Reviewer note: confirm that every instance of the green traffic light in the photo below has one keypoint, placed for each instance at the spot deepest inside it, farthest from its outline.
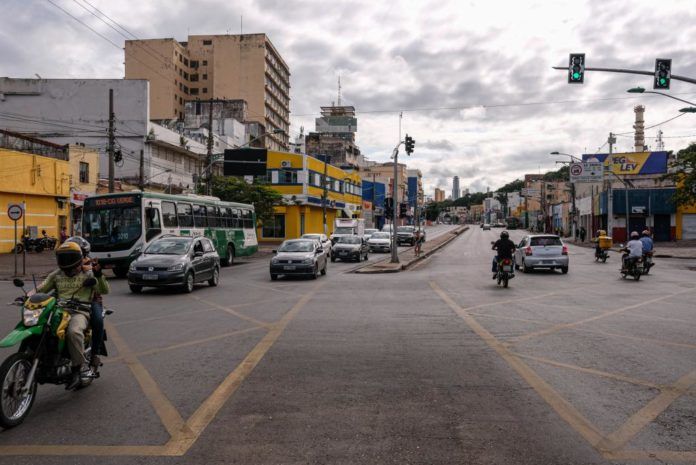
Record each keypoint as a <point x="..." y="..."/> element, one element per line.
<point x="576" y="75"/>
<point x="663" y="81"/>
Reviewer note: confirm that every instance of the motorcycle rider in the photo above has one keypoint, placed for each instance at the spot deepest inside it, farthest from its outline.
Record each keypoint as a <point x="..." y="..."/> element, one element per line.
<point x="96" y="318"/>
<point x="505" y="248"/>
<point x="634" y="250"/>
<point x="67" y="281"/>
<point x="598" y="249"/>
<point x="647" y="244"/>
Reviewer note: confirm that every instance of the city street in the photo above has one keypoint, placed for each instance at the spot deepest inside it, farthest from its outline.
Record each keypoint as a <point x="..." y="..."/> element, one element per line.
<point x="435" y="365"/>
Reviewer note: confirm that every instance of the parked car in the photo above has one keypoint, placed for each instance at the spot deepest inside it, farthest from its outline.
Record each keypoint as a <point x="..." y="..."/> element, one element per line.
<point x="380" y="242"/>
<point x="323" y="240"/>
<point x="541" y="251"/>
<point x="299" y="257"/>
<point x="350" y="248"/>
<point x="486" y="227"/>
<point x="369" y="232"/>
<point x="175" y="261"/>
<point x="406" y="235"/>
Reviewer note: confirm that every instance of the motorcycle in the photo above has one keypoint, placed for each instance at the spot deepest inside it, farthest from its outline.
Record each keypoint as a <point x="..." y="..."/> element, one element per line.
<point x="601" y="254"/>
<point x="647" y="262"/>
<point x="632" y="267"/>
<point x="43" y="355"/>
<point x="504" y="272"/>
<point x="30" y="245"/>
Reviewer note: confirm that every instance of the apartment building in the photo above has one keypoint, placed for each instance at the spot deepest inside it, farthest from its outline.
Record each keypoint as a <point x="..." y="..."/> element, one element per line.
<point x="246" y="67"/>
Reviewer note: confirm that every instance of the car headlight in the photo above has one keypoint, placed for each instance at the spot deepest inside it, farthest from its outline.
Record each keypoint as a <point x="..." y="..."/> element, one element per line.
<point x="177" y="267"/>
<point x="308" y="261"/>
<point x="30" y="317"/>
<point x="274" y="261"/>
<point x="131" y="267"/>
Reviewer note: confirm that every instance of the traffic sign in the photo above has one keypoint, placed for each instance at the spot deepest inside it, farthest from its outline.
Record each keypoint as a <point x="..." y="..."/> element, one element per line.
<point x="586" y="172"/>
<point x="15" y="211"/>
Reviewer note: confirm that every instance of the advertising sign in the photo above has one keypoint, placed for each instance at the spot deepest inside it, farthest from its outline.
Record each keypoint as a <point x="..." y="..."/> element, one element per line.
<point x="586" y="172"/>
<point x="631" y="163"/>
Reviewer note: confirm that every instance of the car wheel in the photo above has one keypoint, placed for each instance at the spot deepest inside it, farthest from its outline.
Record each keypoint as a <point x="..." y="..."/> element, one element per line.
<point x="215" y="278"/>
<point x="274" y="277"/>
<point x="564" y="269"/>
<point x="333" y="259"/>
<point x="229" y="260"/>
<point x="135" y="289"/>
<point x="315" y="274"/>
<point x="525" y="268"/>
<point x="188" y="282"/>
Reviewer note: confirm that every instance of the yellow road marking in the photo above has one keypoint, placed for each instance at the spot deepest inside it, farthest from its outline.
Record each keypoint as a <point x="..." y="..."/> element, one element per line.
<point x="566" y="411"/>
<point x="200" y="419"/>
<point x="561" y="326"/>
<point x="232" y="311"/>
<point x="82" y="450"/>
<point x="511" y="301"/>
<point x="648" y="413"/>
<point x="637" y="338"/>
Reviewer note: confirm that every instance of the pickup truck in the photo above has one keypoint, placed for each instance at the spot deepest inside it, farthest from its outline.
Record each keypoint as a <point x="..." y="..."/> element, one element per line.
<point x="406" y="235"/>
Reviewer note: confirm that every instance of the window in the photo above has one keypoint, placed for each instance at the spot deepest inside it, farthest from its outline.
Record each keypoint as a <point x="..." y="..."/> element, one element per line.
<point x="213" y="215"/>
<point x="205" y="90"/>
<point x="198" y="246"/>
<point x="199" y="216"/>
<point x="194" y="91"/>
<point x="194" y="63"/>
<point x="186" y="61"/>
<point x="84" y="172"/>
<point x="169" y="215"/>
<point x="181" y="101"/>
<point x="186" y="89"/>
<point x="287" y="177"/>
<point x="181" y="72"/>
<point x="205" y="62"/>
<point x="236" y="221"/>
<point x="193" y="78"/>
<point x="205" y="76"/>
<point x="186" y="75"/>
<point x="185" y="215"/>
<point x="275" y="229"/>
<point x="207" y="42"/>
<point x="176" y="99"/>
<point x="207" y="245"/>
<point x="153" y="226"/>
<point x="248" y="220"/>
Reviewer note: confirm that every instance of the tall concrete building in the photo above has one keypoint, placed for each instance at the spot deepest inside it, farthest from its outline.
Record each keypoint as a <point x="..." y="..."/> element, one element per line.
<point x="335" y="137"/>
<point x="246" y="67"/>
<point x="439" y="195"/>
<point x="455" y="188"/>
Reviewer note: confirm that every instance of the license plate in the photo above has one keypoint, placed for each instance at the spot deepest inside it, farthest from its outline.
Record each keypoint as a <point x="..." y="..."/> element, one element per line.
<point x="343" y="253"/>
<point x="507" y="269"/>
<point x="150" y="277"/>
<point x="289" y="267"/>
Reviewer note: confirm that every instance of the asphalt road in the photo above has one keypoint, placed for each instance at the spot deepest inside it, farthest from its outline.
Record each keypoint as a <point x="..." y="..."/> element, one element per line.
<point x="437" y="365"/>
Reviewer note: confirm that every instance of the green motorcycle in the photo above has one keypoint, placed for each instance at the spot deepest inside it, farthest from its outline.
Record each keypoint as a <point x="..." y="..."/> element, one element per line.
<point x="43" y="355"/>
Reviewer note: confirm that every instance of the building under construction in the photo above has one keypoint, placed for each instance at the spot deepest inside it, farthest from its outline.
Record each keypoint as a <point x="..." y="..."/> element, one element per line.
<point x="335" y="137"/>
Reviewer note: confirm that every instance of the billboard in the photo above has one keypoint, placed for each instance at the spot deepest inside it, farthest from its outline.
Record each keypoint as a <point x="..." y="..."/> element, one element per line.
<point x="245" y="162"/>
<point x="586" y="172"/>
<point x="631" y="163"/>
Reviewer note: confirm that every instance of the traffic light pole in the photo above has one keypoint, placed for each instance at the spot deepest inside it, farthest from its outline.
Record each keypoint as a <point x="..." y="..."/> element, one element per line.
<point x="395" y="213"/>
<point x="631" y="71"/>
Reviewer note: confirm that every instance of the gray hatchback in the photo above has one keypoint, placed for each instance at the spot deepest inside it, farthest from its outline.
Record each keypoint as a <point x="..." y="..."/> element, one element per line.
<point x="541" y="251"/>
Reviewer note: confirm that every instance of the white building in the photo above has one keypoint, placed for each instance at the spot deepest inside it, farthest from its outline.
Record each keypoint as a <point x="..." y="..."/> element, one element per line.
<point x="71" y="111"/>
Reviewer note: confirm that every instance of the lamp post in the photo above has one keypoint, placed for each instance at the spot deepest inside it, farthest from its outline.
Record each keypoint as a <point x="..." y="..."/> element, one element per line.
<point x="641" y="90"/>
<point x="572" y="193"/>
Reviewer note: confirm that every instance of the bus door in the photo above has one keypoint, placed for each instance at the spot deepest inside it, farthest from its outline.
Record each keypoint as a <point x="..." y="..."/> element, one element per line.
<point x="153" y="222"/>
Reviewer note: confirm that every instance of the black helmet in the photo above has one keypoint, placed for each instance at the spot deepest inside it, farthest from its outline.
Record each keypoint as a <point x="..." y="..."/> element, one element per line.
<point x="504" y="235"/>
<point x="82" y="242"/>
<point x="68" y="256"/>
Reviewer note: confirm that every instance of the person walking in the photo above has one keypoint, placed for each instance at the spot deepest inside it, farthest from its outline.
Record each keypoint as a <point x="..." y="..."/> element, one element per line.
<point x="583" y="233"/>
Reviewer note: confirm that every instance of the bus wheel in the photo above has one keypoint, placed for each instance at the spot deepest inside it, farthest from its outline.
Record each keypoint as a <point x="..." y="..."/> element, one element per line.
<point x="229" y="260"/>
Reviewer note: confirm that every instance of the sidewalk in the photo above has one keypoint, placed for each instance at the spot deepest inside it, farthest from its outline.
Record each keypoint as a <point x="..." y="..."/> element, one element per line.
<point x="679" y="249"/>
<point x="407" y="258"/>
<point x="38" y="264"/>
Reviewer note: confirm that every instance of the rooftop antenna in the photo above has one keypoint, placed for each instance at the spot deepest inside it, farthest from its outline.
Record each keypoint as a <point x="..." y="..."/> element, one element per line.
<point x="339" y="90"/>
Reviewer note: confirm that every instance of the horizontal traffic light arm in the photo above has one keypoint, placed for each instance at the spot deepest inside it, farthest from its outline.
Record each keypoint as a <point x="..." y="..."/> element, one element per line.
<point x="674" y="77"/>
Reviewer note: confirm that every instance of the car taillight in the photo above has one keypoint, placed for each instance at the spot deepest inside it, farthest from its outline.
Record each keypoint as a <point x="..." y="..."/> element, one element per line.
<point x="565" y="250"/>
<point x="528" y="251"/>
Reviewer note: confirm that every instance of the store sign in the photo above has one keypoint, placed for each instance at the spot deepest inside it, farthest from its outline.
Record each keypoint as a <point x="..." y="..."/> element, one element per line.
<point x="586" y="172"/>
<point x="78" y="198"/>
<point x="631" y="163"/>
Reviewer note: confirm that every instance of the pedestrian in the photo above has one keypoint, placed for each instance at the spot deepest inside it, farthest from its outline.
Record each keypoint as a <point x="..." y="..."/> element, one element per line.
<point x="63" y="234"/>
<point x="583" y="233"/>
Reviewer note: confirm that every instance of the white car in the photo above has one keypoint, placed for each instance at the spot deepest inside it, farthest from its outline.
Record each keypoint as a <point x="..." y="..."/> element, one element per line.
<point x="323" y="240"/>
<point x="369" y="232"/>
<point x="380" y="242"/>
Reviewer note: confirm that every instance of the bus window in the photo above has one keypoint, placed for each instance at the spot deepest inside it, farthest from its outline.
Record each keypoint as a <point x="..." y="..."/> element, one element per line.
<point x="236" y="221"/>
<point x="185" y="215"/>
<point x="153" y="226"/>
<point x="199" y="214"/>
<point x="225" y="217"/>
<point x="169" y="215"/>
<point x="248" y="223"/>
<point x="213" y="216"/>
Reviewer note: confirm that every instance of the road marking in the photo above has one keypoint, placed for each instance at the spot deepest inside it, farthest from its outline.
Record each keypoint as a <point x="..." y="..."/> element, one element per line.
<point x="561" y="326"/>
<point x="648" y="413"/>
<point x="661" y="455"/>
<point x="200" y="419"/>
<point x="232" y="311"/>
<point x="564" y="409"/>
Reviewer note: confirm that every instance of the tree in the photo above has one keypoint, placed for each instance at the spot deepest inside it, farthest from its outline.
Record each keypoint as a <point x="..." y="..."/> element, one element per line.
<point x="683" y="174"/>
<point x="562" y="174"/>
<point x="261" y="196"/>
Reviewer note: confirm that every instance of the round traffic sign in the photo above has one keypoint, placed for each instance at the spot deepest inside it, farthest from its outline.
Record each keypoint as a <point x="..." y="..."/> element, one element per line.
<point x="14" y="212"/>
<point x="576" y="169"/>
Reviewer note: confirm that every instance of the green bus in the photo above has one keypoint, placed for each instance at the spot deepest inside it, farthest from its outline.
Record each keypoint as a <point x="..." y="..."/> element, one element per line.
<point x="119" y="226"/>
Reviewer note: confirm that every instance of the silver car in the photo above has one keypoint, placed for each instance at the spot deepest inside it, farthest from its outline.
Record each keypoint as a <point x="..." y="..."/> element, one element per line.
<point x="322" y="238"/>
<point x="380" y="242"/>
<point x="300" y="257"/>
<point x="541" y="251"/>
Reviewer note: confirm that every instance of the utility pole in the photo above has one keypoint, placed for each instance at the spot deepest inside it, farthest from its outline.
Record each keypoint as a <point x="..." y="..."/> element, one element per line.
<point x="209" y="158"/>
<point x="110" y="148"/>
<point x="141" y="182"/>
<point x="374" y="199"/>
<point x="395" y="213"/>
<point x="610" y="191"/>
<point x="325" y="195"/>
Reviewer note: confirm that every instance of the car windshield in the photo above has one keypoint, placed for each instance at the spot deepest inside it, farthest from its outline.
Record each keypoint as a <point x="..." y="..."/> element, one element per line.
<point x="381" y="235"/>
<point x="169" y="246"/>
<point x="546" y="240"/>
<point x="297" y="246"/>
<point x="404" y="229"/>
<point x="370" y="231"/>
<point x="343" y="231"/>
<point x="311" y="236"/>
<point x="349" y="240"/>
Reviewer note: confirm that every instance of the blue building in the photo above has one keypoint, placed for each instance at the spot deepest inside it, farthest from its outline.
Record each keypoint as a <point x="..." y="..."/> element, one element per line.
<point x="374" y="193"/>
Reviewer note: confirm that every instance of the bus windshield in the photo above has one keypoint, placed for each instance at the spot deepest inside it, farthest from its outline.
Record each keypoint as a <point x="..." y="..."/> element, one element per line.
<point x="109" y="229"/>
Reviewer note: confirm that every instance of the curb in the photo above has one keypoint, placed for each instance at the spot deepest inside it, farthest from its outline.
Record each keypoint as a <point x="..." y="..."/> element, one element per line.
<point x="427" y="254"/>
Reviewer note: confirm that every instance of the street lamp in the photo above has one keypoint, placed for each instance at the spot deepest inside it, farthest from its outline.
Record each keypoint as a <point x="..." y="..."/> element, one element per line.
<point x="688" y="110"/>
<point x="640" y="90"/>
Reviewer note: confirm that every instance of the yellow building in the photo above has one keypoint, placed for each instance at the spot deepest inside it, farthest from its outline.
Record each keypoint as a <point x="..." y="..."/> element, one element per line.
<point x="37" y="174"/>
<point x="84" y="178"/>
<point x="298" y="177"/>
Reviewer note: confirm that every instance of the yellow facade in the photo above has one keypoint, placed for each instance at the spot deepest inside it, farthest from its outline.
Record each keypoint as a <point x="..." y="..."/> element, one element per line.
<point x="43" y="184"/>
<point x="302" y="212"/>
<point x="79" y="155"/>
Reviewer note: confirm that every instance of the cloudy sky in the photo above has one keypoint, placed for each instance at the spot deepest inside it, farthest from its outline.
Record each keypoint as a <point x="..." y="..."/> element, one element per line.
<point x="473" y="78"/>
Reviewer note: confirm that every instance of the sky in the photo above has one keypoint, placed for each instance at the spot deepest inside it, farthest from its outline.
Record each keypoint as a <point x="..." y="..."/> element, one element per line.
<point x="472" y="79"/>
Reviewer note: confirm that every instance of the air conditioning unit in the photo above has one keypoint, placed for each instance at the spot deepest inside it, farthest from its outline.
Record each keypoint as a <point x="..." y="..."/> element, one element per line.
<point x="285" y="164"/>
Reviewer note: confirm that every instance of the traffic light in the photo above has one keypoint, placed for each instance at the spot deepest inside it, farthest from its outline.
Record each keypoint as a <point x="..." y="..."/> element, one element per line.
<point x="576" y="68"/>
<point x="409" y="143"/>
<point x="389" y="207"/>
<point x="663" y="73"/>
<point x="403" y="208"/>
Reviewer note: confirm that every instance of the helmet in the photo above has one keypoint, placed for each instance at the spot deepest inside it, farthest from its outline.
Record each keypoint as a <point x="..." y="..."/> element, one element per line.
<point x="504" y="235"/>
<point x="635" y="235"/>
<point x="68" y="256"/>
<point x="646" y="233"/>
<point x="82" y="242"/>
